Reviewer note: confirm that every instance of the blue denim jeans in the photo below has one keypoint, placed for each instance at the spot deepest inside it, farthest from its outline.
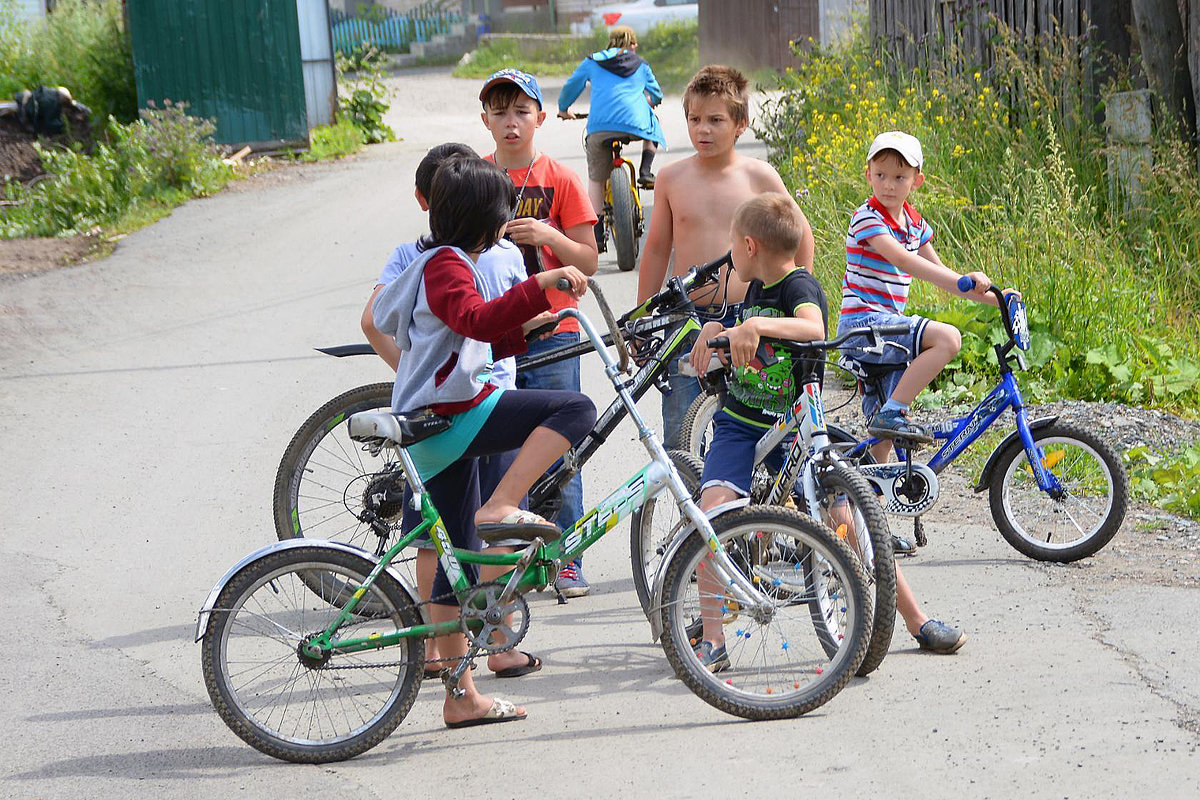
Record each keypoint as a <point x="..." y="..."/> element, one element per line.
<point x="563" y="375"/>
<point x="684" y="390"/>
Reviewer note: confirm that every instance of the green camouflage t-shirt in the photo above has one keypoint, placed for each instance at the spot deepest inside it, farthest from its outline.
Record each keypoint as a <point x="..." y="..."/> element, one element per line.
<point x="764" y="389"/>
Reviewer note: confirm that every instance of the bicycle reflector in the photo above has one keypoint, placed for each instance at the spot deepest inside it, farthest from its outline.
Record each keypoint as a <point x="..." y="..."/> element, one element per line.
<point x="1020" y="323"/>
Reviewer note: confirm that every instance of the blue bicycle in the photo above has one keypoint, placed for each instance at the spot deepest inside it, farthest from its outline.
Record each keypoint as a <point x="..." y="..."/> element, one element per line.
<point x="1057" y="491"/>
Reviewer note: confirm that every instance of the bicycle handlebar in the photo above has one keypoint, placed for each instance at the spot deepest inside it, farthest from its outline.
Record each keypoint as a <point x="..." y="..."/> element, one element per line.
<point x="966" y="283"/>
<point x="678" y="287"/>
<point x="874" y="331"/>
<point x="605" y="311"/>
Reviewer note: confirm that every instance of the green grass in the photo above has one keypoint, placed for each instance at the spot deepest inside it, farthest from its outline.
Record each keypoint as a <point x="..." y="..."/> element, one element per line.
<point x="1015" y="187"/>
<point x="330" y="142"/>
<point x="669" y="48"/>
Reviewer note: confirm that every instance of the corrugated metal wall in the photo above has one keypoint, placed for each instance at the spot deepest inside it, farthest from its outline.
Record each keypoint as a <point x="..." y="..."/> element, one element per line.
<point x="235" y="61"/>
<point x="316" y="54"/>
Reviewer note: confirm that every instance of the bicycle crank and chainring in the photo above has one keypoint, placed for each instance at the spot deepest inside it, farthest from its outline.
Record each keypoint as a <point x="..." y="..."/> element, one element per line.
<point x="484" y="619"/>
<point x="904" y="494"/>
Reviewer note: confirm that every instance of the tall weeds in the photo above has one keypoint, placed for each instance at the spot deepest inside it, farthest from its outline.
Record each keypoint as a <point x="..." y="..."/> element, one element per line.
<point x="1015" y="187"/>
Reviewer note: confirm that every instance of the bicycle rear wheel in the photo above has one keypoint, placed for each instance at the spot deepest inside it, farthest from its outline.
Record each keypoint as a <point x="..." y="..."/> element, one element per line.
<point x="848" y="507"/>
<point x="777" y="665"/>
<point x="324" y="476"/>
<point x="1083" y="519"/>
<point x="286" y="704"/>
<point x="656" y="523"/>
<point x="624" y="218"/>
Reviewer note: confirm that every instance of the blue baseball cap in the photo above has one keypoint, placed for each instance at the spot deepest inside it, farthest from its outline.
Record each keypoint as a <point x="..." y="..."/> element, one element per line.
<point x="524" y="81"/>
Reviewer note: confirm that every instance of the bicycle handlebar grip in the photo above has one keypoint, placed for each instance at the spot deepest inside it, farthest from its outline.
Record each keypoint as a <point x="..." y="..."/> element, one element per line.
<point x="966" y="283"/>
<point x="893" y="330"/>
<point x="563" y="285"/>
<point x="719" y="343"/>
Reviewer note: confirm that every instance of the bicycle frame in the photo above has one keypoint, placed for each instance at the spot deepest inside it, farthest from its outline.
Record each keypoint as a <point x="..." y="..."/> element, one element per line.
<point x="960" y="432"/>
<point x="646" y="483"/>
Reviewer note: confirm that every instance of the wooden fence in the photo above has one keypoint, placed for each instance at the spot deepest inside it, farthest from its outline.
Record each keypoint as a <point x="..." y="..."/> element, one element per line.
<point x="755" y="33"/>
<point x="920" y="32"/>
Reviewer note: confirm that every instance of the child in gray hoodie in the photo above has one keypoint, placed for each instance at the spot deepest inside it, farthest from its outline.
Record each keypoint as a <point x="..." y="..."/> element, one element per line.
<point x="450" y="333"/>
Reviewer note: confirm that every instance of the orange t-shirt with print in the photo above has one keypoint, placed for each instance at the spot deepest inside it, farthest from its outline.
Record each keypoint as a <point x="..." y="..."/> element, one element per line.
<point x="554" y="194"/>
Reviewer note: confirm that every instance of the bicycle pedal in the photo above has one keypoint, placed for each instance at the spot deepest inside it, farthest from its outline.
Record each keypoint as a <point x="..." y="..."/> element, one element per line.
<point x="919" y="532"/>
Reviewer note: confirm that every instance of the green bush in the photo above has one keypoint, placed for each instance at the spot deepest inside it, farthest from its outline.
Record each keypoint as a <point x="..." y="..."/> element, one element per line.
<point x="82" y="45"/>
<point x="363" y="94"/>
<point x="162" y="159"/>
<point x="1171" y="482"/>
<point x="1015" y="187"/>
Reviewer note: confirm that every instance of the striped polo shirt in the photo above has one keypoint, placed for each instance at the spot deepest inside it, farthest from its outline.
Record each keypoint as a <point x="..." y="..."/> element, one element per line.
<point x="872" y="283"/>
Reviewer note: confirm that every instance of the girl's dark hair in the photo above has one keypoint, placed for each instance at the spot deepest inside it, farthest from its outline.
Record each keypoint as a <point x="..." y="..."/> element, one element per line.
<point x="433" y="159"/>
<point x="468" y="203"/>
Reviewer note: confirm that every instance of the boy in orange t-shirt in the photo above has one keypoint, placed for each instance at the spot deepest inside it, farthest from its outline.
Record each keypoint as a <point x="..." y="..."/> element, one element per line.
<point x="554" y="226"/>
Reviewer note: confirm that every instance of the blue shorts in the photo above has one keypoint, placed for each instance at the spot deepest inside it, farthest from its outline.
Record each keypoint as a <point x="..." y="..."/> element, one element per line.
<point x="729" y="461"/>
<point x="899" y="357"/>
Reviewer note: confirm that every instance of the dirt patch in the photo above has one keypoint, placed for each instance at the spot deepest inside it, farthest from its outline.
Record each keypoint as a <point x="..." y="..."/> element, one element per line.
<point x="29" y="256"/>
<point x="19" y="160"/>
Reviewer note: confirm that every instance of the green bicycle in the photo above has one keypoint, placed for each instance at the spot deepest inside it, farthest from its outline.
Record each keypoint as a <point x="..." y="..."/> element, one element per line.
<point x="312" y="649"/>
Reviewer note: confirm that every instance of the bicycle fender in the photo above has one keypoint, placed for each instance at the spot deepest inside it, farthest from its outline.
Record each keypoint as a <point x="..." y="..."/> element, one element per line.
<point x="288" y="544"/>
<point x="985" y="477"/>
<point x="672" y="549"/>
<point x="343" y="350"/>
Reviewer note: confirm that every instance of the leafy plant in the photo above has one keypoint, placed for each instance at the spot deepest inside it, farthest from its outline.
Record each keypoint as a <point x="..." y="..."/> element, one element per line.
<point x="1171" y="482"/>
<point x="363" y="94"/>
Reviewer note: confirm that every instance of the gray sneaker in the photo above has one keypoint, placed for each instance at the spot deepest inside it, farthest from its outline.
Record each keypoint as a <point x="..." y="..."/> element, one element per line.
<point x="938" y="637"/>
<point x="570" y="581"/>
<point x="716" y="659"/>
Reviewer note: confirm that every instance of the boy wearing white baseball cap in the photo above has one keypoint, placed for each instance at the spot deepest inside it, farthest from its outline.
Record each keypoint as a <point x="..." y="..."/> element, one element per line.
<point x="889" y="244"/>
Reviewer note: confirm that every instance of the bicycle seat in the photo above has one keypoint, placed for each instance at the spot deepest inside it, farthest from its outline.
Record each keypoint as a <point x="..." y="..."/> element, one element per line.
<point x="623" y="139"/>
<point x="403" y="430"/>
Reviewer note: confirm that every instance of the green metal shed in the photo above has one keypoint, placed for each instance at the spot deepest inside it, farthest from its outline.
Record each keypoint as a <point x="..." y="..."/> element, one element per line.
<point x="237" y="62"/>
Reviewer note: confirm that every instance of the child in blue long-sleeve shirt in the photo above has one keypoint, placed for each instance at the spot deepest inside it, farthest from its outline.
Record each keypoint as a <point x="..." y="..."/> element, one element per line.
<point x="624" y="92"/>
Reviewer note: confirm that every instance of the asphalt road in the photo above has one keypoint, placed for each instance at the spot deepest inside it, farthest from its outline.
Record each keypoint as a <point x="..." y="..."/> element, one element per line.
<point x="146" y="401"/>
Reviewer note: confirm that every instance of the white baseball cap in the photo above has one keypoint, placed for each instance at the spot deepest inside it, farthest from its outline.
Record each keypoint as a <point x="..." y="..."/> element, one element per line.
<point x="907" y="145"/>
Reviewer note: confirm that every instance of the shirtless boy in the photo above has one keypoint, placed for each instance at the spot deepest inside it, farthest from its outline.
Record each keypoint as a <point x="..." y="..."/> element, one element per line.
<point x="694" y="201"/>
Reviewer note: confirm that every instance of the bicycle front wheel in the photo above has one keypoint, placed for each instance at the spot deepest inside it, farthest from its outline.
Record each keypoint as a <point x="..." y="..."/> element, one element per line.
<point x="1084" y="517"/>
<point x="848" y="507"/>
<point x="286" y="704"/>
<point x="624" y="218"/>
<point x="656" y="523"/>
<point x="776" y="665"/>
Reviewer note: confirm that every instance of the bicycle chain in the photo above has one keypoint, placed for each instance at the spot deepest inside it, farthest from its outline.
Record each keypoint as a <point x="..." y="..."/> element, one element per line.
<point x="430" y="601"/>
